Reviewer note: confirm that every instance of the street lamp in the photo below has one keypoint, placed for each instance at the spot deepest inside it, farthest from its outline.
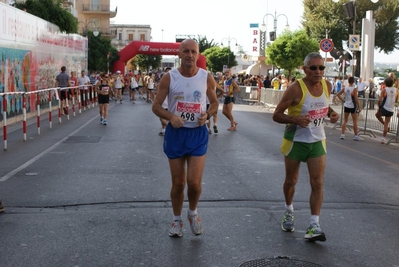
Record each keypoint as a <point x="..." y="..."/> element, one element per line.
<point x="86" y="33"/>
<point x="272" y="34"/>
<point x="228" y="44"/>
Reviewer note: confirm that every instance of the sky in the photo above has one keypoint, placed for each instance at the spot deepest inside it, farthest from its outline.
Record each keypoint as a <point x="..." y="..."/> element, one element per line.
<point x="217" y="20"/>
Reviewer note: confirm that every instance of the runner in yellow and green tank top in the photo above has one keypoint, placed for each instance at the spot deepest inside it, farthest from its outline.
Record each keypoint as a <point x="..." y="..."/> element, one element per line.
<point x="306" y="101"/>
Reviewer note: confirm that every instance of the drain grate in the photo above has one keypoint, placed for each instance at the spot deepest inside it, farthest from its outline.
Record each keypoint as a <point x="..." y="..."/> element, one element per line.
<point x="83" y="139"/>
<point x="278" y="262"/>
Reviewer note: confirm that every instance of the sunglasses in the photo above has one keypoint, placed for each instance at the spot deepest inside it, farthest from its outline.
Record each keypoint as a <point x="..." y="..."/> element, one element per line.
<point x="315" y="67"/>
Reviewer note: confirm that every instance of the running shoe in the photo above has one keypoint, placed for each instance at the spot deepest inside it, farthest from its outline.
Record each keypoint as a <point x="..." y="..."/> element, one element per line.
<point x="209" y="131"/>
<point x="342" y="137"/>
<point x="104" y="122"/>
<point x="161" y="134"/>
<point x="195" y="224"/>
<point x="2" y="208"/>
<point x="177" y="229"/>
<point x="101" y="120"/>
<point x="288" y="221"/>
<point x="357" y="138"/>
<point x="314" y="233"/>
<point x="215" y="129"/>
<point x="383" y="140"/>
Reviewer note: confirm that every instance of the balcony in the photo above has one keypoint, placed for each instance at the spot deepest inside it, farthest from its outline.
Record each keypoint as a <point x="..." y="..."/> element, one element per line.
<point x="99" y="9"/>
<point x="105" y="32"/>
<point x="67" y="3"/>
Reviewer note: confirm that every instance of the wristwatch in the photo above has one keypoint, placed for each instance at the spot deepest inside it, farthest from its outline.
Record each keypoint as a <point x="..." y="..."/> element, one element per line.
<point x="208" y="116"/>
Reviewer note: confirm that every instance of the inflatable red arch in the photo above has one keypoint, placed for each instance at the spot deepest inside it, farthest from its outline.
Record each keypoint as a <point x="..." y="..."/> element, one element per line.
<point x="149" y="48"/>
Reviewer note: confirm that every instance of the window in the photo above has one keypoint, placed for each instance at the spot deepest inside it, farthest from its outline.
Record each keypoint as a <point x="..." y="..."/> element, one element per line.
<point x="94" y="23"/>
<point x="120" y="36"/>
<point x="130" y="36"/>
<point x="142" y="37"/>
<point x="95" y="4"/>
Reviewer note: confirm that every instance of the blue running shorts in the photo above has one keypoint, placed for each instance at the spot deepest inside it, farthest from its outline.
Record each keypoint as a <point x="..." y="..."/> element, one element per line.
<point x="183" y="141"/>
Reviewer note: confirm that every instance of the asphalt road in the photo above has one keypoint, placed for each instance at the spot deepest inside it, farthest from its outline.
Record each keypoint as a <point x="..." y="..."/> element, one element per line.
<point x="85" y="194"/>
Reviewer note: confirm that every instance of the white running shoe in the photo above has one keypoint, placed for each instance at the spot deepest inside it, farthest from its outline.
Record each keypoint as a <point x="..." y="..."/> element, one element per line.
<point x="195" y="224"/>
<point x="177" y="229"/>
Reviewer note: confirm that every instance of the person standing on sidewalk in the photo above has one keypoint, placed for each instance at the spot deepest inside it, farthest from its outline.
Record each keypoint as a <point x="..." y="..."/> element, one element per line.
<point x="186" y="136"/>
<point x="351" y="106"/>
<point x="62" y="81"/>
<point x="386" y="103"/>
<point x="307" y="102"/>
<point x="83" y="82"/>
<point x="230" y="88"/>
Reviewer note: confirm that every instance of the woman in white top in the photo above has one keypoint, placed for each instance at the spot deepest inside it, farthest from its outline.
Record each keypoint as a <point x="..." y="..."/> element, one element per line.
<point x="351" y="106"/>
<point x="386" y="103"/>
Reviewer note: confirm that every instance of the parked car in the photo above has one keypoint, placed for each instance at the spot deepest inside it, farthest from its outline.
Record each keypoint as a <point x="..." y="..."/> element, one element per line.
<point x="378" y="81"/>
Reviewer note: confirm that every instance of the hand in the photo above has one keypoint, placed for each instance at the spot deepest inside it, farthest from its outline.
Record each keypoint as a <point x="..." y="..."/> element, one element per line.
<point x="334" y="117"/>
<point x="302" y="121"/>
<point x="177" y="121"/>
<point x="202" y="119"/>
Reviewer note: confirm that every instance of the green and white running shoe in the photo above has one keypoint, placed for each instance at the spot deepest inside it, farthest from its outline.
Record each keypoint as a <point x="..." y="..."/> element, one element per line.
<point x="314" y="233"/>
<point x="288" y="221"/>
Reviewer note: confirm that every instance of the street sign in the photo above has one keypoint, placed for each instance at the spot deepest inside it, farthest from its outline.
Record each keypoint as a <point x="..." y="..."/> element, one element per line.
<point x="354" y="40"/>
<point x="326" y="45"/>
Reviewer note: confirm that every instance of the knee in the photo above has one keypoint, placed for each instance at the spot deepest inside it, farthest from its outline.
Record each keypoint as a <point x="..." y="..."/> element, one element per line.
<point x="316" y="184"/>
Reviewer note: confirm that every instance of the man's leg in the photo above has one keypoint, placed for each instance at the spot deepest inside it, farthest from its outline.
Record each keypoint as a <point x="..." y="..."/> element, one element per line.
<point x="178" y="173"/>
<point x="291" y="178"/>
<point x="316" y="168"/>
<point x="195" y="167"/>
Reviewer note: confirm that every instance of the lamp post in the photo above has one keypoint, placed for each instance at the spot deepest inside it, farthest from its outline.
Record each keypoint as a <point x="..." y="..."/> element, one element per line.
<point x="272" y="34"/>
<point x="350" y="8"/>
<point x="86" y="33"/>
<point x="228" y="44"/>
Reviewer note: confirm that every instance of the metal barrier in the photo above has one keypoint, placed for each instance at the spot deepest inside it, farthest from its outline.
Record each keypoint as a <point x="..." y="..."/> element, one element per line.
<point x="43" y="97"/>
<point x="368" y="124"/>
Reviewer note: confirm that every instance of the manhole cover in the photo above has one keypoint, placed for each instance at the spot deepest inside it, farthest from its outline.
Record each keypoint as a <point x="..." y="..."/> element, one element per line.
<point x="278" y="263"/>
<point x="83" y="139"/>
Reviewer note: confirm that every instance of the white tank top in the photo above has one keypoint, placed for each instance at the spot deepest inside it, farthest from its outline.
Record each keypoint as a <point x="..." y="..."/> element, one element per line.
<point x="187" y="96"/>
<point x="389" y="99"/>
<point x="314" y="106"/>
<point x="118" y="82"/>
<point x="348" y="97"/>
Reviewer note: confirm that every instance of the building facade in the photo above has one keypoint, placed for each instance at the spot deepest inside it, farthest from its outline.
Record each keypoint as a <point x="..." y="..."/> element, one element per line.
<point x="95" y="14"/>
<point x="126" y="33"/>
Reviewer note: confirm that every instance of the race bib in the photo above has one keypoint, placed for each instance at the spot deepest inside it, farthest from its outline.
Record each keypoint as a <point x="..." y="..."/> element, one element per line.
<point x="317" y="116"/>
<point x="189" y="111"/>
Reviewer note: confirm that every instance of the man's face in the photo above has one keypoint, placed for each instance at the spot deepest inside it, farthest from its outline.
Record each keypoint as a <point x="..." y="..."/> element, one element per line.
<point x="314" y="70"/>
<point x="188" y="53"/>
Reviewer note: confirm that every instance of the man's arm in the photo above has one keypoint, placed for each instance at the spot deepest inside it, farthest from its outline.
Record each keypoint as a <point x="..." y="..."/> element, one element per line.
<point x="291" y="97"/>
<point x="211" y="94"/>
<point x="157" y="109"/>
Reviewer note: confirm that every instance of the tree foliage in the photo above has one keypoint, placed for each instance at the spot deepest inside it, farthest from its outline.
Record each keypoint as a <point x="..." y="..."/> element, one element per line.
<point x="322" y="15"/>
<point x="289" y="50"/>
<point x="204" y="44"/>
<point x="147" y="62"/>
<point x="98" y="52"/>
<point x="52" y="11"/>
<point x="216" y="57"/>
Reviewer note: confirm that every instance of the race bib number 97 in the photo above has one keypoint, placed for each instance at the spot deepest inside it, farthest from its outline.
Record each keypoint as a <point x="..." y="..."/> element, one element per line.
<point x="317" y="116"/>
<point x="189" y="111"/>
